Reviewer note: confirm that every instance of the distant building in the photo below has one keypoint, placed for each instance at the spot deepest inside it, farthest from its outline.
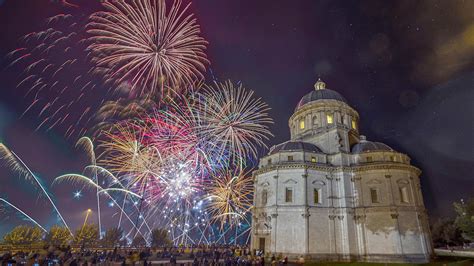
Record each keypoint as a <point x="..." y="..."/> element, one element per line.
<point x="331" y="194"/>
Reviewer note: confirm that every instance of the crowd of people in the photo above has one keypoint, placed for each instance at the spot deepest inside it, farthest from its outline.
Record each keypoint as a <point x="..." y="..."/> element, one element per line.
<point x="196" y="256"/>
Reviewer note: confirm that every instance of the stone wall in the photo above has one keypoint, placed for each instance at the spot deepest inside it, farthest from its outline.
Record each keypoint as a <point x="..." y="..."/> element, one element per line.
<point x="345" y="224"/>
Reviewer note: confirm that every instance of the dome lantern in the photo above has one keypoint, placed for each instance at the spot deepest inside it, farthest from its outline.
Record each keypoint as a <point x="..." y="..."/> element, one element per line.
<point x="319" y="85"/>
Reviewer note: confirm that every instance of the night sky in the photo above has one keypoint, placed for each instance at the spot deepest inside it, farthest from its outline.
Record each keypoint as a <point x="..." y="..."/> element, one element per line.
<point x="407" y="67"/>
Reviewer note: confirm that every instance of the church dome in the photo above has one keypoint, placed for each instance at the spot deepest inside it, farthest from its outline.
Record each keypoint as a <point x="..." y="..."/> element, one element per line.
<point x="367" y="146"/>
<point x="294" y="146"/>
<point x="320" y="93"/>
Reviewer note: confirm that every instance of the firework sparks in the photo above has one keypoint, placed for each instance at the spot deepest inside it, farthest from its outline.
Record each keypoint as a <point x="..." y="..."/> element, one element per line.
<point x="147" y="45"/>
<point x="229" y="197"/>
<point x="142" y="52"/>
<point x="175" y="157"/>
<point x="183" y="163"/>
<point x="56" y="76"/>
<point x="234" y="119"/>
<point x="166" y="146"/>
<point x="127" y="154"/>
<point x="77" y="194"/>
<point x="112" y="112"/>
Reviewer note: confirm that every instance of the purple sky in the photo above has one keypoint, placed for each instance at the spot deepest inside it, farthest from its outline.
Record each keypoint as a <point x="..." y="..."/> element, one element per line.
<point x="407" y="67"/>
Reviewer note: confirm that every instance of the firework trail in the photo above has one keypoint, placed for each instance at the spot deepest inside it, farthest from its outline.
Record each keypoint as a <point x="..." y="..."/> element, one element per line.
<point x="57" y="76"/>
<point x="17" y="165"/>
<point x="87" y="144"/>
<point x="23" y="213"/>
<point x="88" y="182"/>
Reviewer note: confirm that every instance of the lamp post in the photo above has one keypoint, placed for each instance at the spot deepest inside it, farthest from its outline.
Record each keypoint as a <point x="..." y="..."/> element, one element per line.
<point x="85" y="219"/>
<point x="83" y="225"/>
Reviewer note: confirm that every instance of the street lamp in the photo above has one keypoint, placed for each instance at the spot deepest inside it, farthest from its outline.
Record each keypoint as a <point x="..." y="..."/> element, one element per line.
<point x="85" y="219"/>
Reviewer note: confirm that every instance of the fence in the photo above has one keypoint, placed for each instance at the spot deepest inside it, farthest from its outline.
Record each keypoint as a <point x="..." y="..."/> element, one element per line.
<point x="41" y="246"/>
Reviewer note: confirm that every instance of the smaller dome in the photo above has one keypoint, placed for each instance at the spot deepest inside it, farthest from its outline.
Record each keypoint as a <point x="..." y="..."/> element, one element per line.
<point x="294" y="146"/>
<point x="366" y="146"/>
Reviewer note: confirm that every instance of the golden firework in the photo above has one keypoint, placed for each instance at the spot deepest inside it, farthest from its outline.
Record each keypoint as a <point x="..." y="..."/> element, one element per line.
<point x="229" y="197"/>
<point x="127" y="155"/>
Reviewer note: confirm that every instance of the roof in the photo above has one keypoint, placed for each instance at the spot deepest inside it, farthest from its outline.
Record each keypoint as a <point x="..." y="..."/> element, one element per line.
<point x="320" y="93"/>
<point x="368" y="146"/>
<point x="294" y="146"/>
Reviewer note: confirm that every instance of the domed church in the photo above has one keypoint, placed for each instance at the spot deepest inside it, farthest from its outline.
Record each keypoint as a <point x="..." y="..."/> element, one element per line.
<point x="329" y="194"/>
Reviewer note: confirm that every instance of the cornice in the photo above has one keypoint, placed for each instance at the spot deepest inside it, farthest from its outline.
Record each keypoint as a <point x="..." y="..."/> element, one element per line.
<point x="328" y="168"/>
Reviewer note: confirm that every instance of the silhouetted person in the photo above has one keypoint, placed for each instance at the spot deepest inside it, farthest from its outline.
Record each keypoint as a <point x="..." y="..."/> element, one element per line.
<point x="172" y="260"/>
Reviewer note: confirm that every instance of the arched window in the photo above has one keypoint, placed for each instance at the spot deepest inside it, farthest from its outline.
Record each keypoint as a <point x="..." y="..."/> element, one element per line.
<point x="302" y="124"/>
<point x="374" y="195"/>
<point x="264" y="197"/>
<point x="317" y="196"/>
<point x="316" y="121"/>
<point x="404" y="194"/>
<point x="288" y="194"/>
<point x="330" y="118"/>
<point x="353" y="124"/>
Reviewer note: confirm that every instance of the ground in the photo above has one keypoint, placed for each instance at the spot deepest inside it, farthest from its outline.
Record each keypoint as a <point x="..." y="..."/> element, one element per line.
<point x="441" y="261"/>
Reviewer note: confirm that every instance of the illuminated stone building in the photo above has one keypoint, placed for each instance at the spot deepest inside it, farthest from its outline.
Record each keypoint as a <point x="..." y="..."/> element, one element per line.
<point x="331" y="194"/>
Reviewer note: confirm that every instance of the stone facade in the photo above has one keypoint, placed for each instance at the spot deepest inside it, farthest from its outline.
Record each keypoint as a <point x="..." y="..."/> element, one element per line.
<point x="329" y="194"/>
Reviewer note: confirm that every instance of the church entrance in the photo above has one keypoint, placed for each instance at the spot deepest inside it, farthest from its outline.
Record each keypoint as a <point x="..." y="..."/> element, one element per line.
<point x="261" y="244"/>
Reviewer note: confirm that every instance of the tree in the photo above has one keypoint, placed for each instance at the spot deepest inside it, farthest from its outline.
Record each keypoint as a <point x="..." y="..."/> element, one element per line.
<point x="445" y="232"/>
<point x="138" y="242"/>
<point x="112" y="237"/>
<point x="23" y="235"/>
<point x="465" y="218"/>
<point x="123" y="242"/>
<point x="159" y="238"/>
<point x="58" y="235"/>
<point x="87" y="235"/>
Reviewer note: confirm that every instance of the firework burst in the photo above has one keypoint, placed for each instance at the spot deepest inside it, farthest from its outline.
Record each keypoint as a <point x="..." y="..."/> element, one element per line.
<point x="169" y="147"/>
<point x="112" y="112"/>
<point x="233" y="119"/>
<point x="135" y="54"/>
<point x="229" y="197"/>
<point x="127" y="155"/>
<point x="152" y="48"/>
